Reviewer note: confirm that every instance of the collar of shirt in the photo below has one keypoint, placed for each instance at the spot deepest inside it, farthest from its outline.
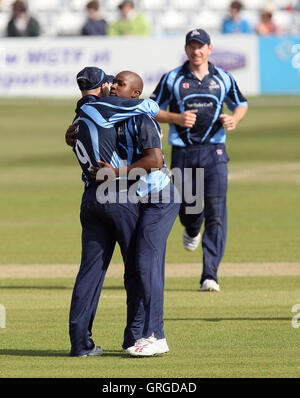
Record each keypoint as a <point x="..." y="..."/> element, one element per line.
<point x="187" y="72"/>
<point x="84" y="100"/>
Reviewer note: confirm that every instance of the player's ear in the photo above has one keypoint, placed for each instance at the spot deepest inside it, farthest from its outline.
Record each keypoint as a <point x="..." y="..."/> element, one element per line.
<point x="210" y="48"/>
<point x="136" y="93"/>
<point x="98" y="91"/>
<point x="104" y="90"/>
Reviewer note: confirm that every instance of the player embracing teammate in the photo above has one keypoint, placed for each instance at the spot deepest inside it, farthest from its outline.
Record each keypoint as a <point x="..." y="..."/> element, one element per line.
<point x="118" y="138"/>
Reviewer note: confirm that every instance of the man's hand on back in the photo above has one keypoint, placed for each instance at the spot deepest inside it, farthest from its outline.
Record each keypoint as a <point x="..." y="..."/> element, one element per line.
<point x="70" y="134"/>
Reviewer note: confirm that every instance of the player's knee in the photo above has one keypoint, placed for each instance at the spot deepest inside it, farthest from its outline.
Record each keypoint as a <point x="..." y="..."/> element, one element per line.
<point x="213" y="210"/>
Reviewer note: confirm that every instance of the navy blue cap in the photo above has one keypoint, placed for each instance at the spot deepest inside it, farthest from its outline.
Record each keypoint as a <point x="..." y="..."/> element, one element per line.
<point x="199" y="35"/>
<point x="92" y="77"/>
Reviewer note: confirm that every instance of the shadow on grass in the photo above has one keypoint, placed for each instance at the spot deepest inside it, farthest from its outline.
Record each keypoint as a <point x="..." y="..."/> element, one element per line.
<point x="52" y="353"/>
<point x="229" y="319"/>
<point x="54" y="287"/>
<point x="41" y="287"/>
<point x="36" y="287"/>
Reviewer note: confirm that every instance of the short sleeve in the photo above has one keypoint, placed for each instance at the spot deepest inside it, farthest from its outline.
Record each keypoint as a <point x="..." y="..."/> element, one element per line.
<point x="148" y="133"/>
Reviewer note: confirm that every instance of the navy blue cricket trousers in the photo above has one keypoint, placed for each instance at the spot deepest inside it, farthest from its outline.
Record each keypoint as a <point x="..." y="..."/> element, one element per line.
<point x="155" y="224"/>
<point x="213" y="159"/>
<point x="102" y="226"/>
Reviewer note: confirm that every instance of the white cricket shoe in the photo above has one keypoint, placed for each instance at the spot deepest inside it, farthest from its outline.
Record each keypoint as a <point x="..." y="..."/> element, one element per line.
<point x="189" y="243"/>
<point x="209" y="285"/>
<point x="161" y="344"/>
<point x="142" y="348"/>
<point x="147" y="347"/>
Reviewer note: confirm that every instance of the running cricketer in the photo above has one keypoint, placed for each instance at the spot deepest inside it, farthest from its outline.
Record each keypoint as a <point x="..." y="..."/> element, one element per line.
<point x="200" y="88"/>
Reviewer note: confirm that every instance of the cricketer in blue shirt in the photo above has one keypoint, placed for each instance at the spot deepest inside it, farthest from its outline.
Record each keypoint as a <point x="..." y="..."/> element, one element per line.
<point x="138" y="140"/>
<point x="103" y="224"/>
<point x="133" y="143"/>
<point x="200" y="89"/>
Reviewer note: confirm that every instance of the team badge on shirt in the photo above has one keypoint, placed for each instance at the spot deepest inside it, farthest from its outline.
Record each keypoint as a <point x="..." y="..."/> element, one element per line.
<point x="185" y="85"/>
<point x="213" y="84"/>
<point x="219" y="152"/>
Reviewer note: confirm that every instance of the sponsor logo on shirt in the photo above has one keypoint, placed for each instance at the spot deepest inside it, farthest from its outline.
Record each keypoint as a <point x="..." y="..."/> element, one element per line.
<point x="200" y="105"/>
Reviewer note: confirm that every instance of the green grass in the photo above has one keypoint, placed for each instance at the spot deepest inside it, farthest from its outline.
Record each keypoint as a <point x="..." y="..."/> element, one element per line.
<point x="41" y="187"/>
<point x="244" y="331"/>
<point x="269" y="133"/>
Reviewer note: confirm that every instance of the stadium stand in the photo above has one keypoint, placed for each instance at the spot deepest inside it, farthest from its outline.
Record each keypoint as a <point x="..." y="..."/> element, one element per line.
<point x="285" y="19"/>
<point x="208" y="19"/>
<point x="167" y="17"/>
<point x="187" y="6"/>
<point x="217" y="6"/>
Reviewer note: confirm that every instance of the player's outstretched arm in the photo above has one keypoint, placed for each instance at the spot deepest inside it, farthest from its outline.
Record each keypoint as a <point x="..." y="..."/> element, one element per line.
<point x="152" y="159"/>
<point x="110" y="110"/>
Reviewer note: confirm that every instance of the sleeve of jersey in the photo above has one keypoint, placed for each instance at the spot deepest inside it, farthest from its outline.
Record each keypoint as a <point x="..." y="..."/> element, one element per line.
<point x="110" y="110"/>
<point x="234" y="97"/>
<point x="162" y="94"/>
<point x="148" y="133"/>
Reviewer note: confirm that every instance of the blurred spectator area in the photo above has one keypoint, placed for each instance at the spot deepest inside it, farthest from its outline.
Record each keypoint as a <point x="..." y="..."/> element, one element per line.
<point x="167" y="17"/>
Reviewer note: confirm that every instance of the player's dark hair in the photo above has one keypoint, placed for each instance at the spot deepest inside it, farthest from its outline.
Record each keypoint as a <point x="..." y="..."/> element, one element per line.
<point x="94" y="4"/>
<point x="237" y="5"/>
<point x="19" y="5"/>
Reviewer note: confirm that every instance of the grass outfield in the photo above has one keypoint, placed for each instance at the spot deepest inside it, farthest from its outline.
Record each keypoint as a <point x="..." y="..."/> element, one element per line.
<point x="41" y="187"/>
<point x="244" y="331"/>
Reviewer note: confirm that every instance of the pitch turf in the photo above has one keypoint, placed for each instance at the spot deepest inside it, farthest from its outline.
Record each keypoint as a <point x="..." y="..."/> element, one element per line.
<point x="245" y="331"/>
